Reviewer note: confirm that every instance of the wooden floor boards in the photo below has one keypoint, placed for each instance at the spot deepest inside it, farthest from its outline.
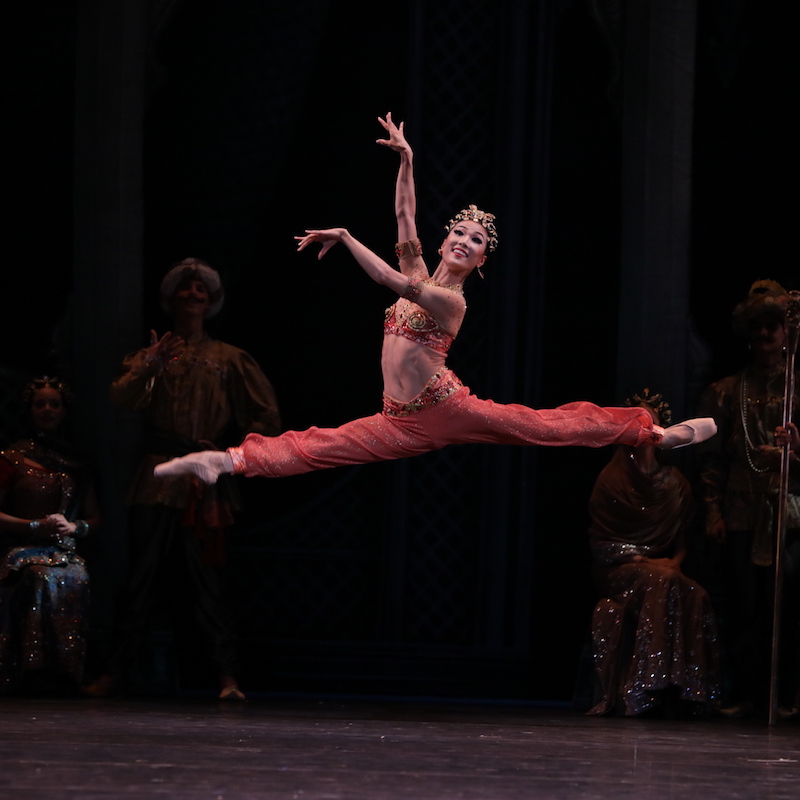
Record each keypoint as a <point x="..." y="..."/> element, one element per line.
<point x="308" y="749"/>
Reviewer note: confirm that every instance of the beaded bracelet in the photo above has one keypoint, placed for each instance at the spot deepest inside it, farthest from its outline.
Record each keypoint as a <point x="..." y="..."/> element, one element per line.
<point x="413" y="290"/>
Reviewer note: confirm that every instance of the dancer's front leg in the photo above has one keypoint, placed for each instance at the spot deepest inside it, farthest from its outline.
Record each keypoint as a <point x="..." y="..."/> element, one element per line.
<point x="207" y="465"/>
<point x="362" y="441"/>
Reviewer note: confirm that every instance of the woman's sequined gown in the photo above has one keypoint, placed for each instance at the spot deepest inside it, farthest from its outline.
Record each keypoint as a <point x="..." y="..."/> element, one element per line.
<point x="44" y="587"/>
<point x="654" y="627"/>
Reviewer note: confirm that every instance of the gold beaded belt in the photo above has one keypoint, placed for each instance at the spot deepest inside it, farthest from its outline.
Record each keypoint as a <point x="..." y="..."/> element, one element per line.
<point x="442" y="385"/>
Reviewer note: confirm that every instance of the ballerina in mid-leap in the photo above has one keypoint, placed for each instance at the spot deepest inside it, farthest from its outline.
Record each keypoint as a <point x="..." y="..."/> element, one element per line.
<point x="425" y="406"/>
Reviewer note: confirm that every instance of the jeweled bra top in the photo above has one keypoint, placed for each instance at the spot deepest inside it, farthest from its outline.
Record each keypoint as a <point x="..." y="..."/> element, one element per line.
<point x="413" y="322"/>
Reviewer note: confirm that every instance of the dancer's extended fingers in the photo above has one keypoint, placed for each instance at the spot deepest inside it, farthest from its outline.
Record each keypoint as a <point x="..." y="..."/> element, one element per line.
<point x="396" y="138"/>
<point x="304" y="241"/>
<point x="324" y="238"/>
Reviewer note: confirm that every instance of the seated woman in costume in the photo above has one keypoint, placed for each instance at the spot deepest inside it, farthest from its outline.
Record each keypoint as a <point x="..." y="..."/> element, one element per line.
<point x="47" y="502"/>
<point x="425" y="406"/>
<point x="654" y="633"/>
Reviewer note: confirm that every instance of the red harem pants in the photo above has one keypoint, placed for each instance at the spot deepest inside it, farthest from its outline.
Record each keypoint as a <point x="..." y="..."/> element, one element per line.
<point x="448" y="414"/>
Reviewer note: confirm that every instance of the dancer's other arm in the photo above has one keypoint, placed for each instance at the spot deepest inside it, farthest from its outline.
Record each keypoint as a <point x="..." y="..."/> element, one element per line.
<point x="446" y="306"/>
<point x="371" y="263"/>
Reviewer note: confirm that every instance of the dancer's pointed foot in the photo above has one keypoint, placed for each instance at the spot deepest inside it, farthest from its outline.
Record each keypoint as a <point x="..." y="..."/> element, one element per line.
<point x="692" y="431"/>
<point x="207" y="465"/>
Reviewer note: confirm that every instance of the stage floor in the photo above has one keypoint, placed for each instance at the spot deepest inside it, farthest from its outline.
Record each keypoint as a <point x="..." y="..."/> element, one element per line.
<point x="380" y="750"/>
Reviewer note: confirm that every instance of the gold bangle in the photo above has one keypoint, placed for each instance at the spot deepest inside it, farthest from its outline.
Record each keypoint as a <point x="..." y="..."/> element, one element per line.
<point x="410" y="249"/>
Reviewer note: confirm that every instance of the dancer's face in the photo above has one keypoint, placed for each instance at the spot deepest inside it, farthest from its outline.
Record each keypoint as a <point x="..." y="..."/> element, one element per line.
<point x="191" y="298"/>
<point x="465" y="245"/>
<point x="47" y="409"/>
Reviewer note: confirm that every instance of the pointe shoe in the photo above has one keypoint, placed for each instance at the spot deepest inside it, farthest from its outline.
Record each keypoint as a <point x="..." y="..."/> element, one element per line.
<point x="692" y="431"/>
<point x="207" y="465"/>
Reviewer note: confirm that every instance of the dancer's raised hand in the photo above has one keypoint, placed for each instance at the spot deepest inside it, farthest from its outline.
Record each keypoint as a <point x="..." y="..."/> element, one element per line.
<point x="397" y="140"/>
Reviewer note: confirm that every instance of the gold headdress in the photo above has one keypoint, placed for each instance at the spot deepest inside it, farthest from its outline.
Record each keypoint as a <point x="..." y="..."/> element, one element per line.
<point x="654" y="401"/>
<point x="473" y="213"/>
<point x="46" y="382"/>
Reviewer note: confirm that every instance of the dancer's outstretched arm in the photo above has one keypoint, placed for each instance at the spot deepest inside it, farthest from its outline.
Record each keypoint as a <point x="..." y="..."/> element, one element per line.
<point x="446" y="306"/>
<point x="371" y="263"/>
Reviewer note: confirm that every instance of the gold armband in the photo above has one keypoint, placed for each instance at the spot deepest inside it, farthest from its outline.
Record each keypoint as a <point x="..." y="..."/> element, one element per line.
<point x="410" y="249"/>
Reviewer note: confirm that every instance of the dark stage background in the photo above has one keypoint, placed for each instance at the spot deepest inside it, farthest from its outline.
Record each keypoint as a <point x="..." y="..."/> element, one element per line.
<point x="222" y="129"/>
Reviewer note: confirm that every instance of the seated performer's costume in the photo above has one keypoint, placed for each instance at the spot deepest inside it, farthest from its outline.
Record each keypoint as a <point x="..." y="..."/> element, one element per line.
<point x="443" y="413"/>
<point x="44" y="584"/>
<point x="654" y="627"/>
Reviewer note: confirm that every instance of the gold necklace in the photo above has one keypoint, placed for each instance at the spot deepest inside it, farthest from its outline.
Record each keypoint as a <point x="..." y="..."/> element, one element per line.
<point x="749" y="447"/>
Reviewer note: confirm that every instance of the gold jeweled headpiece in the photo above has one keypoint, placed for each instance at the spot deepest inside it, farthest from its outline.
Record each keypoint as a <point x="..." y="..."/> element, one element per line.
<point x="654" y="401"/>
<point x="46" y="382"/>
<point x="473" y="213"/>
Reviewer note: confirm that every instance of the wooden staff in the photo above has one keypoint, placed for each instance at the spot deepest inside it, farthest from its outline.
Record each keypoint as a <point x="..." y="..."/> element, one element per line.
<point x="792" y="328"/>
